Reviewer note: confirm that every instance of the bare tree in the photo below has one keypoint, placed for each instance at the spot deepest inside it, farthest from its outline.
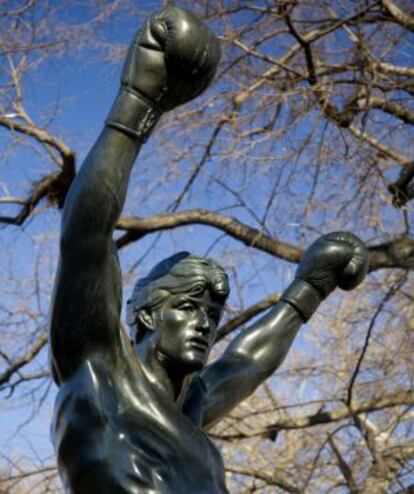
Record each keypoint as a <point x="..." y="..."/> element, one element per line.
<point x="308" y="128"/>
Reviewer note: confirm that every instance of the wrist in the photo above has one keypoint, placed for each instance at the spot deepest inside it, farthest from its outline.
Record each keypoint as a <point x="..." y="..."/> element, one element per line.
<point x="303" y="297"/>
<point x="133" y="114"/>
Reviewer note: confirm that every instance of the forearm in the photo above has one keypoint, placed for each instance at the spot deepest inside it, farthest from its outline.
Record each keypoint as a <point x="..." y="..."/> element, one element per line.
<point x="335" y="259"/>
<point x="251" y="357"/>
<point x="171" y="60"/>
<point x="97" y="196"/>
<point x="338" y="258"/>
<point x="268" y="341"/>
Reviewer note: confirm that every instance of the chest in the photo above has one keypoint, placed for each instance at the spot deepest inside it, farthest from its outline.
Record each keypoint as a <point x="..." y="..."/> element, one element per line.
<point x="140" y="437"/>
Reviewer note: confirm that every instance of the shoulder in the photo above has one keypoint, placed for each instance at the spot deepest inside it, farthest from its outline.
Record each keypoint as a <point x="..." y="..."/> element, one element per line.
<point x="97" y="360"/>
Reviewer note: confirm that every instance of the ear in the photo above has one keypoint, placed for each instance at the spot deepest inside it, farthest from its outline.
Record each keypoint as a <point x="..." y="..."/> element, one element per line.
<point x="146" y="319"/>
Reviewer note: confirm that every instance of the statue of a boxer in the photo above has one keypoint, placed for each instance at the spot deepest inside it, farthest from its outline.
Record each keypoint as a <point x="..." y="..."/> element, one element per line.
<point x="131" y="418"/>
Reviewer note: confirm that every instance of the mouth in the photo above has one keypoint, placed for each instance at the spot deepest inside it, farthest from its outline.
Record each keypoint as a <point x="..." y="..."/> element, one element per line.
<point x="198" y="343"/>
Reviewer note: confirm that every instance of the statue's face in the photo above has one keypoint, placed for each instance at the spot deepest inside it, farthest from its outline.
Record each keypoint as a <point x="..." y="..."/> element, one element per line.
<point x="185" y="327"/>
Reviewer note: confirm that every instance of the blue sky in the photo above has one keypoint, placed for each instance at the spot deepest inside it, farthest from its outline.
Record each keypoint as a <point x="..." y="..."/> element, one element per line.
<point x="82" y="95"/>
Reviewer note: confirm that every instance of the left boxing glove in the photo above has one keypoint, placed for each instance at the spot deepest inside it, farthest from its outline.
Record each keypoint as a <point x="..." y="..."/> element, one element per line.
<point x="336" y="259"/>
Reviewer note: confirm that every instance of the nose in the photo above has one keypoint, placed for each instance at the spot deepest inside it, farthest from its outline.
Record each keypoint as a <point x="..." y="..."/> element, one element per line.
<point x="203" y="322"/>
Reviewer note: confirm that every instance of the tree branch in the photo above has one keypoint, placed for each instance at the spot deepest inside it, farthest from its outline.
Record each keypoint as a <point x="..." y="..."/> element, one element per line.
<point x="398" y="253"/>
<point x="389" y="107"/>
<point x="389" y="294"/>
<point x="40" y="135"/>
<point x="376" y="403"/>
<point x="344" y="467"/>
<point x="139" y="227"/>
<point x="23" y="360"/>
<point x="401" y="17"/>
<point x="53" y="187"/>
<point x="402" y="189"/>
<point x="265" y="477"/>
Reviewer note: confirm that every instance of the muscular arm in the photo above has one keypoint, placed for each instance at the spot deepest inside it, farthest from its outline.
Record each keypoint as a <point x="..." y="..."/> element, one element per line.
<point x="250" y="359"/>
<point x="172" y="59"/>
<point x="337" y="259"/>
<point x="87" y="297"/>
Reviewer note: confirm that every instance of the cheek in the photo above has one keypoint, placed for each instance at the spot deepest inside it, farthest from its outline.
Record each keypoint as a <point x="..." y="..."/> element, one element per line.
<point x="174" y="326"/>
<point x="174" y="320"/>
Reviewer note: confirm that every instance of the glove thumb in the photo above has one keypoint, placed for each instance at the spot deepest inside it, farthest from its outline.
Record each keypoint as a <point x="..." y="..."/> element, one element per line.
<point x="356" y="269"/>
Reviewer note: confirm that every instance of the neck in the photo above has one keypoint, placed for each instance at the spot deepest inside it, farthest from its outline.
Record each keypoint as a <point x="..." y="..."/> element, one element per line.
<point x="170" y="379"/>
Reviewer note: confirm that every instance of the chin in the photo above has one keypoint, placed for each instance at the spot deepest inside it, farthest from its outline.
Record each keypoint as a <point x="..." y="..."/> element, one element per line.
<point x="194" y="362"/>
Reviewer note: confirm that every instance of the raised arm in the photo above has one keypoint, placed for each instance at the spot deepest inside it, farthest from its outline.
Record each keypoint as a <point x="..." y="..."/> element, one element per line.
<point x="172" y="59"/>
<point x="337" y="259"/>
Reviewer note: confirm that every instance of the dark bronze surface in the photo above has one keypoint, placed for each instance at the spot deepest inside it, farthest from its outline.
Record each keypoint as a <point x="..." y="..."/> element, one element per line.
<point x="131" y="418"/>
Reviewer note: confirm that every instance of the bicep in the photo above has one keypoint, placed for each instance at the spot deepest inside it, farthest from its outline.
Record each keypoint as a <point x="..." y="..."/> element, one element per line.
<point x="227" y="382"/>
<point x="85" y="312"/>
<point x="250" y="359"/>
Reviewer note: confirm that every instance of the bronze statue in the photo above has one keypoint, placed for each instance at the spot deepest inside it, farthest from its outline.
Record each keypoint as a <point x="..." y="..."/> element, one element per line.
<point x="130" y="418"/>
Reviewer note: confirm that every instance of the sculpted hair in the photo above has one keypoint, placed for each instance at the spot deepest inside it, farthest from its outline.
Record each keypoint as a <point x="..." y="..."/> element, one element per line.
<point x="180" y="273"/>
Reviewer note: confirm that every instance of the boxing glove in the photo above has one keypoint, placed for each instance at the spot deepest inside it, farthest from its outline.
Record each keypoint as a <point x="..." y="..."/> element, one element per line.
<point x="171" y="60"/>
<point x="338" y="259"/>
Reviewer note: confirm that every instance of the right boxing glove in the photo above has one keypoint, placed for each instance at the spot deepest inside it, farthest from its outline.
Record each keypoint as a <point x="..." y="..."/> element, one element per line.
<point x="172" y="59"/>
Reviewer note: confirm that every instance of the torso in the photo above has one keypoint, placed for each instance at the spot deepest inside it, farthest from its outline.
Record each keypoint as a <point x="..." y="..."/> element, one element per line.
<point x="114" y="433"/>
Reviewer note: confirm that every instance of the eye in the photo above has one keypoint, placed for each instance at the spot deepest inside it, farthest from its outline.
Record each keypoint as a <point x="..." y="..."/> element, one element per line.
<point x="186" y="307"/>
<point x="214" y="315"/>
